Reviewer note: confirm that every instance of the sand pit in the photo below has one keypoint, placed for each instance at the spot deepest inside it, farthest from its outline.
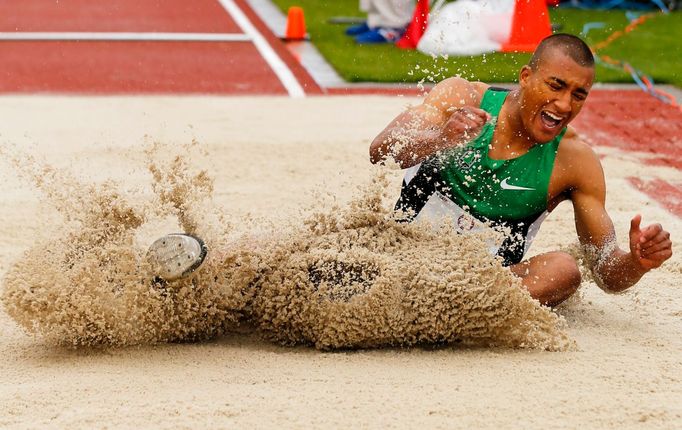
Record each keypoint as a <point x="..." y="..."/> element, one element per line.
<point x="265" y="172"/>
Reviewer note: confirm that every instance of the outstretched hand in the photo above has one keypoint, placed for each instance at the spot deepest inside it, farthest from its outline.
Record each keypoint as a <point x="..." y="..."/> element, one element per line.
<point x="650" y="245"/>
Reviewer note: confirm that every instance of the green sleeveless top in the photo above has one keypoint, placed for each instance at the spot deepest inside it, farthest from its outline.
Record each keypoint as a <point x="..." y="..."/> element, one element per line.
<point x="499" y="190"/>
<point x="507" y="195"/>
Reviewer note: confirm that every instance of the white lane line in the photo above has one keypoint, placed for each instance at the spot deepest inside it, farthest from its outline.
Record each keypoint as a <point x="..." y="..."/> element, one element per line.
<point x="278" y="66"/>
<point x="122" y="36"/>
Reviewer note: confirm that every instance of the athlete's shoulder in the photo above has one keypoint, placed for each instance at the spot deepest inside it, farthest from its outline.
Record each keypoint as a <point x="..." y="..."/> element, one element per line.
<point x="578" y="163"/>
<point x="456" y="92"/>
<point x="573" y="148"/>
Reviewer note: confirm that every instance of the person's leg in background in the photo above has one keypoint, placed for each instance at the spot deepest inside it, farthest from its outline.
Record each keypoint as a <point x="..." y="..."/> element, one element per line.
<point x="387" y="20"/>
<point x="356" y="30"/>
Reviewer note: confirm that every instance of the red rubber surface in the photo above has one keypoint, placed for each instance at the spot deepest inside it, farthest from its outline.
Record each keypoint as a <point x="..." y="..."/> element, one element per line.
<point x="192" y="16"/>
<point x="634" y="121"/>
<point x="135" y="67"/>
<point x="666" y="194"/>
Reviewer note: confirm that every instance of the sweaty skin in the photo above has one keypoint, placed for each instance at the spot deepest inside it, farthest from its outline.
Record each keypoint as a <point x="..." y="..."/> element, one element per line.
<point x="548" y="98"/>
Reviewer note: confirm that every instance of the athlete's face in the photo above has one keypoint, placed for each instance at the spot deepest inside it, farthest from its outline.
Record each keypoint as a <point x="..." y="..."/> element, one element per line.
<point x="552" y="95"/>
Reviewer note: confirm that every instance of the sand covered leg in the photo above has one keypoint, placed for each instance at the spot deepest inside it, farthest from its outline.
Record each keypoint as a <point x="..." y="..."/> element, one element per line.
<point x="550" y="278"/>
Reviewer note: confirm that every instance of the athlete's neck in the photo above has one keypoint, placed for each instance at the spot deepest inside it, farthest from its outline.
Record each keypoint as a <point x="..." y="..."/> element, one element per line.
<point x="510" y="139"/>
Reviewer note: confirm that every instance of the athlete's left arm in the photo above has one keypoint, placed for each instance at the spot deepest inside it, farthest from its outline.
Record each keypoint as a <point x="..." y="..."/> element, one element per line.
<point x="649" y="246"/>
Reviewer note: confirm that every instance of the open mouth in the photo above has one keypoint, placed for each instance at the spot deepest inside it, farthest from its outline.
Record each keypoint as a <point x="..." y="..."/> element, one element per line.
<point x="550" y="119"/>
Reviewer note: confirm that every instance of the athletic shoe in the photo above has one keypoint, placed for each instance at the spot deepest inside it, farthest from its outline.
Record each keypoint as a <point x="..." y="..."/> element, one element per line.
<point x="356" y="30"/>
<point x="380" y="35"/>
<point x="176" y="255"/>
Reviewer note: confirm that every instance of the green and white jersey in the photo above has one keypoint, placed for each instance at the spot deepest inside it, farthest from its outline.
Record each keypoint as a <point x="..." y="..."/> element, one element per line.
<point x="475" y="190"/>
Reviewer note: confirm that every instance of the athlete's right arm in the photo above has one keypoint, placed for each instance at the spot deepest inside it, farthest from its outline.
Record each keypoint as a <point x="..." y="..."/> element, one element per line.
<point x="449" y="116"/>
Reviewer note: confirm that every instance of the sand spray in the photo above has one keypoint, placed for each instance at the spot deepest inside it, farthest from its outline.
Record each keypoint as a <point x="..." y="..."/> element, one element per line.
<point x="346" y="276"/>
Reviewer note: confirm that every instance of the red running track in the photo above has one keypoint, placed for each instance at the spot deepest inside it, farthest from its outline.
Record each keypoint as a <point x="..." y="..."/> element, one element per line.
<point x="136" y="67"/>
<point x="191" y="16"/>
<point x="88" y="67"/>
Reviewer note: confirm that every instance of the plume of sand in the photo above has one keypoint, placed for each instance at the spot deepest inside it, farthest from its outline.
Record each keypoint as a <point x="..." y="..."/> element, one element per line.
<point x="350" y="276"/>
<point x="355" y="277"/>
<point x="91" y="285"/>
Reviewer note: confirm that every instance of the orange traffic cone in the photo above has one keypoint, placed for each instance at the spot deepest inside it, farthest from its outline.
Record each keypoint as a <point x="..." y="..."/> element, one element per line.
<point x="529" y="26"/>
<point x="295" y="24"/>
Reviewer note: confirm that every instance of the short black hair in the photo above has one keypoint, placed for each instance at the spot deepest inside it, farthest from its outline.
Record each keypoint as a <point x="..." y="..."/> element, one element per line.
<point x="571" y="45"/>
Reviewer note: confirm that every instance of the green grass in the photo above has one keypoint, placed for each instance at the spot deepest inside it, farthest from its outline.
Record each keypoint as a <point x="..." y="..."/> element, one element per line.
<point x="655" y="48"/>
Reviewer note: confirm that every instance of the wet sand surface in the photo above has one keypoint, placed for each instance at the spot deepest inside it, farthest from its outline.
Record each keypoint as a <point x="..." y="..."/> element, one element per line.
<point x="270" y="157"/>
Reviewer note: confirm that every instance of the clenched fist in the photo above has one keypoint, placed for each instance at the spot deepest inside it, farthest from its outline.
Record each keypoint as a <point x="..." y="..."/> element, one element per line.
<point x="464" y="124"/>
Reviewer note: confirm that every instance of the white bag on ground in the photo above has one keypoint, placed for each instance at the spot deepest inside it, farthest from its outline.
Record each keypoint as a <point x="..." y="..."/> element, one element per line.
<point x="468" y="27"/>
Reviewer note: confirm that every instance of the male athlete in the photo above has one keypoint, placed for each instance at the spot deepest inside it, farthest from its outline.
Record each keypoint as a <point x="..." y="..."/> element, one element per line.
<point x="505" y="159"/>
<point x="501" y="158"/>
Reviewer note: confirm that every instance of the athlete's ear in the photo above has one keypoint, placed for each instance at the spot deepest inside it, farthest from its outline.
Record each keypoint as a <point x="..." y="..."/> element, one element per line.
<point x="524" y="75"/>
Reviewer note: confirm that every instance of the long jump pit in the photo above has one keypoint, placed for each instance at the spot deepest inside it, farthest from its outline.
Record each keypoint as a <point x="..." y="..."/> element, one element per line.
<point x="315" y="308"/>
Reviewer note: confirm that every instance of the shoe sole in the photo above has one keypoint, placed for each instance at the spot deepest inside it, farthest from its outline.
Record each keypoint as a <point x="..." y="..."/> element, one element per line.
<point x="176" y="255"/>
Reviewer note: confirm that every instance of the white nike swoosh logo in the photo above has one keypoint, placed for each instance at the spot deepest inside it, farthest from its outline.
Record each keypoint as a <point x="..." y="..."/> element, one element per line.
<point x="507" y="186"/>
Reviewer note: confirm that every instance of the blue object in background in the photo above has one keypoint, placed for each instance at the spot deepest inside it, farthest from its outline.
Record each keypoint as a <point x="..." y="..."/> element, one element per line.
<point x="356" y="30"/>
